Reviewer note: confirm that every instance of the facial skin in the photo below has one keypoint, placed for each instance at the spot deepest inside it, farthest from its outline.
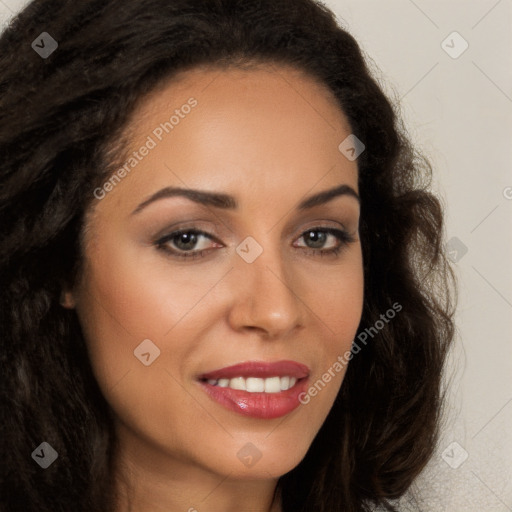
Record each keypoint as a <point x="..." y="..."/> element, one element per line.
<point x="268" y="137"/>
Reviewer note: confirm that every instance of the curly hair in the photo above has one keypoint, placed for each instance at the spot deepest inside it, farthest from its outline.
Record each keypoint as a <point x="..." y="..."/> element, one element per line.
<point x="62" y="118"/>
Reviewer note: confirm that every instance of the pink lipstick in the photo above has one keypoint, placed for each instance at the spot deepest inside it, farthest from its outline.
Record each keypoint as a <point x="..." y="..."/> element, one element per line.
<point x="257" y="388"/>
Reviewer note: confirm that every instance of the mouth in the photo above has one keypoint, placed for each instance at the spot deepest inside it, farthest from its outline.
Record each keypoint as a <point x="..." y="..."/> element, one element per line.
<point x="256" y="388"/>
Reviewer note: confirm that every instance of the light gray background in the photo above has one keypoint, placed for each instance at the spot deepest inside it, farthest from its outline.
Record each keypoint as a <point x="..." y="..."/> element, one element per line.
<point x="459" y="112"/>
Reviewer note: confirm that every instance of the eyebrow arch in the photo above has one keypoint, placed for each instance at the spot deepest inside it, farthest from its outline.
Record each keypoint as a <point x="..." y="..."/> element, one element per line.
<point x="227" y="202"/>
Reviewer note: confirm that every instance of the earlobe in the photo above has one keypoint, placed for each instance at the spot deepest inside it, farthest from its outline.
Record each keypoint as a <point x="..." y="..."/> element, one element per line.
<point x="67" y="300"/>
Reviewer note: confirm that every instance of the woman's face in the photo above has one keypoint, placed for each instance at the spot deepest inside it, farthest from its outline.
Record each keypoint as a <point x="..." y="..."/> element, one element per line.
<point x="157" y="323"/>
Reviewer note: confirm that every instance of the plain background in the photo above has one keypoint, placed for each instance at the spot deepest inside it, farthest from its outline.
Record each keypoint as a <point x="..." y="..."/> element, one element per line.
<point x="458" y="110"/>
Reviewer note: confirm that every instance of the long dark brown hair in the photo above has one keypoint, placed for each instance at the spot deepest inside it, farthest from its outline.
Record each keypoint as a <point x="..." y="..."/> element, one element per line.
<point x="61" y="118"/>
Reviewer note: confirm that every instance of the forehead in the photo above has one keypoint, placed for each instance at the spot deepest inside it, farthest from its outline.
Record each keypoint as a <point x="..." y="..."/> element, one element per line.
<point x="266" y="132"/>
<point x="281" y="88"/>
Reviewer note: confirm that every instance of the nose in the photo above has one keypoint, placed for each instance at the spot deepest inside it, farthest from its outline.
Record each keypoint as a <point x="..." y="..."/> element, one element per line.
<point x="264" y="298"/>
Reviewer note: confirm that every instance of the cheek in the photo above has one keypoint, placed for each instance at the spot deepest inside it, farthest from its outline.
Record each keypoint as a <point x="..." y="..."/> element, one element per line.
<point x="144" y="292"/>
<point x="335" y="297"/>
<point x="336" y="301"/>
<point x="129" y="296"/>
<point x="120" y="307"/>
<point x="124" y="314"/>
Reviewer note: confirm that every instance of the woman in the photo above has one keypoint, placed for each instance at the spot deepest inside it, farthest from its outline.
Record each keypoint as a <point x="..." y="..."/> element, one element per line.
<point x="224" y="281"/>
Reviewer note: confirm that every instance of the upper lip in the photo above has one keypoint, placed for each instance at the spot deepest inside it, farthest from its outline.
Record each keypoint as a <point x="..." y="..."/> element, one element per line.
<point x="260" y="369"/>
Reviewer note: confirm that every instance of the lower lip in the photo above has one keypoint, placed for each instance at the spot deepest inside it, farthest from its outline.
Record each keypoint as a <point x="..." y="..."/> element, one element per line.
<point x="257" y="405"/>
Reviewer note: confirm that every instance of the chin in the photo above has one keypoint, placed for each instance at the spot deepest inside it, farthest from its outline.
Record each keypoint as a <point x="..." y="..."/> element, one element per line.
<point x="252" y="463"/>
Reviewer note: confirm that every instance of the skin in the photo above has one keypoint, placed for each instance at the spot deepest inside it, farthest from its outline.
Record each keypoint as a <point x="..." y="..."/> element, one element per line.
<point x="269" y="137"/>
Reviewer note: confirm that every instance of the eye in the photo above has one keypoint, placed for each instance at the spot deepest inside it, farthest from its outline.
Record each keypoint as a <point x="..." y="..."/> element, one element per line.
<point x="181" y="243"/>
<point x="341" y="238"/>
<point x="184" y="240"/>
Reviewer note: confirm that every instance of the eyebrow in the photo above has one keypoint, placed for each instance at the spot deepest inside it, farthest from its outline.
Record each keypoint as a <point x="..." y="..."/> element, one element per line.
<point x="227" y="202"/>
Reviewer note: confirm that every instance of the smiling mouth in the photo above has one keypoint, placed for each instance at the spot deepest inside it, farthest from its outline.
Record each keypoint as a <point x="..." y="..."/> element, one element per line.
<point x="259" y="389"/>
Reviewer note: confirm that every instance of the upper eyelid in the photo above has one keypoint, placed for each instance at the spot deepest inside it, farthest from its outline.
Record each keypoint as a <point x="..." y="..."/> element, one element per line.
<point x="207" y="231"/>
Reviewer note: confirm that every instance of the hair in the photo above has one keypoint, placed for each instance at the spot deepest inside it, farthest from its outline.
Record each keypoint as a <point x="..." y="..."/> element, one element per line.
<point x="62" y="120"/>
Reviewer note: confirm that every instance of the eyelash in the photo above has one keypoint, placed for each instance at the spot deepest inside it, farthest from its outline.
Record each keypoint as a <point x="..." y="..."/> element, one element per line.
<point x="343" y="236"/>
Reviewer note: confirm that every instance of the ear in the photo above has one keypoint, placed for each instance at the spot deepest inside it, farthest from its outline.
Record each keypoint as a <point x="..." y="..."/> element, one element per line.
<point x="67" y="299"/>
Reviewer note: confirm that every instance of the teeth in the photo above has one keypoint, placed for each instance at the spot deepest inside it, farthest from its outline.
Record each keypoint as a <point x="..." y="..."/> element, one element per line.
<point x="273" y="385"/>
<point x="256" y="384"/>
<point x="238" y="383"/>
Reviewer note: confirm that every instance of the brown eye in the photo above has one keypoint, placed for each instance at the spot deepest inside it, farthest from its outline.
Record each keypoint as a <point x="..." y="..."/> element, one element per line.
<point x="183" y="241"/>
